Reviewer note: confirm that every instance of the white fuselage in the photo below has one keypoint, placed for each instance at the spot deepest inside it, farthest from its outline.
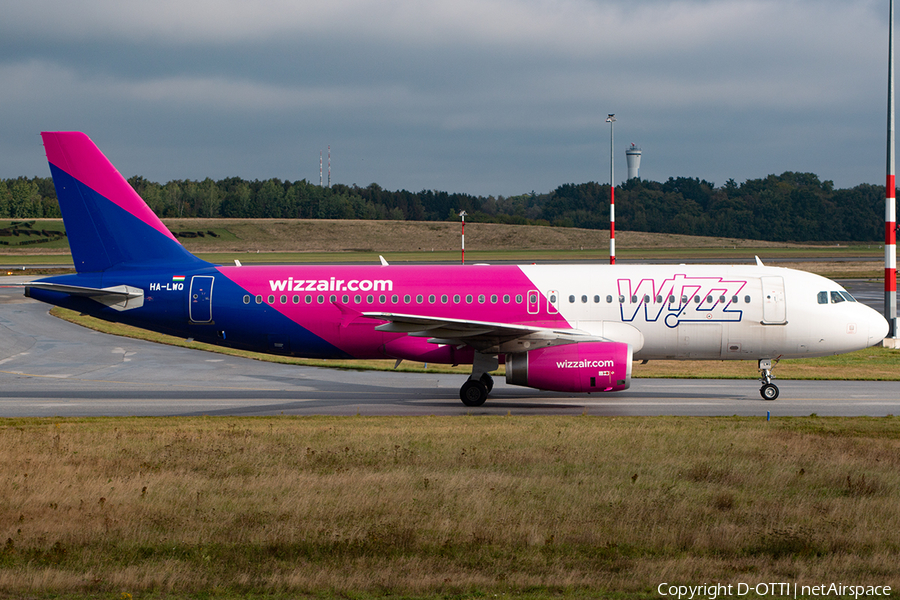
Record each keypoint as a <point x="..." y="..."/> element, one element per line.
<point x="710" y="311"/>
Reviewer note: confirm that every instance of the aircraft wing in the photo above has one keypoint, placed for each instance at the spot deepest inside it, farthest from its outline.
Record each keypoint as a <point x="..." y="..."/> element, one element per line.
<point x="120" y="297"/>
<point x="483" y="336"/>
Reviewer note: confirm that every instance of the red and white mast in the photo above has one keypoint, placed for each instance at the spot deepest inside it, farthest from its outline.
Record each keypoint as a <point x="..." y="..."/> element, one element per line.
<point x="462" y="215"/>
<point x="890" y="201"/>
<point x="611" y="119"/>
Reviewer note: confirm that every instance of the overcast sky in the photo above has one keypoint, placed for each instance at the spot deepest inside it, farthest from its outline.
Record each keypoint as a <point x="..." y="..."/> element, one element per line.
<point x="486" y="97"/>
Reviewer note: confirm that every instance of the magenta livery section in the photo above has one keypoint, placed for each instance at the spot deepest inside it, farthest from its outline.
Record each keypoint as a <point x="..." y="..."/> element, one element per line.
<point x="567" y="328"/>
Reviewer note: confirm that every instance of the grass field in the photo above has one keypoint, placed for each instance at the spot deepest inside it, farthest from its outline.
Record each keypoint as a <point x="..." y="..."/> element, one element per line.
<point x="443" y="507"/>
<point x="313" y="241"/>
<point x="450" y="507"/>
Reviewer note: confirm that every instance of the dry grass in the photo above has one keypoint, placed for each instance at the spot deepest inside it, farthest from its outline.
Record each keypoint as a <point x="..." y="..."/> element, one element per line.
<point x="443" y="506"/>
<point x="324" y="235"/>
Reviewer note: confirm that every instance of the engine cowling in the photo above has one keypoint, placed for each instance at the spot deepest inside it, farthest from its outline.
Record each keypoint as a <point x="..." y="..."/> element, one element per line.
<point x="578" y="367"/>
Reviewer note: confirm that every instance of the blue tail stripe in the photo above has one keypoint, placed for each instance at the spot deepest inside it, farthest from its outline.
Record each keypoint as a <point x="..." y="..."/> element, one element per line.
<point x="102" y="235"/>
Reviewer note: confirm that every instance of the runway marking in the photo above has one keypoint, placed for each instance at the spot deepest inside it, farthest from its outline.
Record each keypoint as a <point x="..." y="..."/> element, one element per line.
<point x="169" y="386"/>
<point x="14" y="357"/>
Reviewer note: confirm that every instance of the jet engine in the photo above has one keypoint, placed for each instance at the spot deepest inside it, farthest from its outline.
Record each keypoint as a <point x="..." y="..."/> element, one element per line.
<point x="577" y="367"/>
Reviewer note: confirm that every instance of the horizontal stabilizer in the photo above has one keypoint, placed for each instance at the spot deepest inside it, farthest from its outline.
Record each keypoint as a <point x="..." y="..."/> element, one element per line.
<point x="120" y="297"/>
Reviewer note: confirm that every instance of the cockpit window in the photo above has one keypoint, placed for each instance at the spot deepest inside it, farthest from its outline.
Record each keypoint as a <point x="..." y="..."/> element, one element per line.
<point x="823" y="297"/>
<point x="836" y="297"/>
<point x="848" y="297"/>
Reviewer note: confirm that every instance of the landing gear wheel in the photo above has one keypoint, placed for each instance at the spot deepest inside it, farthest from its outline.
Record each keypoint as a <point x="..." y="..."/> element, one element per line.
<point x="473" y="392"/>
<point x="488" y="382"/>
<point x="769" y="391"/>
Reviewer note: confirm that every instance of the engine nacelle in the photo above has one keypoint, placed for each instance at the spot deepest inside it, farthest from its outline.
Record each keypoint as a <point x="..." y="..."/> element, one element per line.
<point x="579" y="367"/>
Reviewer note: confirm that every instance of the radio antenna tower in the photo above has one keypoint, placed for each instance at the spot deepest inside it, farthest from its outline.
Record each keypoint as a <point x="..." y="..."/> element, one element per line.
<point x="320" y="168"/>
<point x="329" y="165"/>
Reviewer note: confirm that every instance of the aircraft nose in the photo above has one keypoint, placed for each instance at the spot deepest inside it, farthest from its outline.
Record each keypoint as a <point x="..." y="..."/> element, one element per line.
<point x="878" y="327"/>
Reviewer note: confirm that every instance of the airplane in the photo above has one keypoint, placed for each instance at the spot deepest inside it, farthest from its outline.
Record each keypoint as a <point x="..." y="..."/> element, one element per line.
<point x="567" y="328"/>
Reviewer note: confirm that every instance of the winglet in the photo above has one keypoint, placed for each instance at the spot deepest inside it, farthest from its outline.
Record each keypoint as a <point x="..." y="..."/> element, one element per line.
<point x="384" y="263"/>
<point x="759" y="263"/>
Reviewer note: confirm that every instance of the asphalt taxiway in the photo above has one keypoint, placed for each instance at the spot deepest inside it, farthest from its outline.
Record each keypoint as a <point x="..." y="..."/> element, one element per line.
<point x="49" y="367"/>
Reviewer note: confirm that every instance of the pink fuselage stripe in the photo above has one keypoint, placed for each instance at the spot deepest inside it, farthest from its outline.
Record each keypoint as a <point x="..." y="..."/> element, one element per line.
<point x="341" y="323"/>
<point x="75" y="153"/>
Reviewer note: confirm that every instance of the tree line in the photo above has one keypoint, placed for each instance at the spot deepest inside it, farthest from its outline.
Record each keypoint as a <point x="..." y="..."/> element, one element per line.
<point x="787" y="207"/>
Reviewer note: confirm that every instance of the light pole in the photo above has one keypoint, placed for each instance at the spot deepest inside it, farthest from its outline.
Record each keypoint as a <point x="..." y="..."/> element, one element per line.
<point x="462" y="215"/>
<point x="611" y="119"/>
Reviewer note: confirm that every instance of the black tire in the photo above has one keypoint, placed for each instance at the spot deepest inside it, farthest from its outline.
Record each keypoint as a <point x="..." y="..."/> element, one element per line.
<point x="769" y="391"/>
<point x="488" y="382"/>
<point x="473" y="393"/>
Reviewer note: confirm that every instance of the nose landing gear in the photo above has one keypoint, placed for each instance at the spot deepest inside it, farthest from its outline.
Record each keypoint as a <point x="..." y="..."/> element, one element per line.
<point x="768" y="391"/>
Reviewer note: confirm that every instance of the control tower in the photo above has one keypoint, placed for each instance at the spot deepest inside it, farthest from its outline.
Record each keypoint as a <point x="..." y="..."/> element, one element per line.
<point x="633" y="157"/>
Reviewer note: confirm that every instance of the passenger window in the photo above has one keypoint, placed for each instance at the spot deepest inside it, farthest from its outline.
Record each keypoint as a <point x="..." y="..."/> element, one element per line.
<point x="259" y="299"/>
<point x="597" y="299"/>
<point x="621" y="299"/>
<point x="320" y="299"/>
<point x="444" y="299"/>
<point x="505" y="298"/>
<point x="609" y="299"/>
<point x="746" y="299"/>
<point x="734" y="299"/>
<point x="332" y="298"/>
<point x="246" y="299"/>
<point x="345" y="299"/>
<point x="395" y="298"/>
<point x="571" y="299"/>
<point x="284" y="299"/>
<point x="823" y="297"/>
<point x="634" y="299"/>
<point x="296" y="299"/>
<point x="419" y="298"/>
<point x="480" y="298"/>
<point x="468" y="298"/>
<point x="456" y="298"/>
<point x="493" y="298"/>
<point x="407" y="298"/>
<point x="584" y="299"/>
<point x="308" y="300"/>
<point x="370" y="299"/>
<point x="646" y="299"/>
<point x="431" y="299"/>
<point x="271" y="299"/>
<point x="518" y="298"/>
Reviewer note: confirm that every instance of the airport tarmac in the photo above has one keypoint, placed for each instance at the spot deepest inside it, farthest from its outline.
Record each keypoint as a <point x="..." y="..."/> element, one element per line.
<point x="49" y="367"/>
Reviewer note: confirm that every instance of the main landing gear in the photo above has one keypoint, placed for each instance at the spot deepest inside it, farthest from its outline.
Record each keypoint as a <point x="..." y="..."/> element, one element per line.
<point x="768" y="391"/>
<point x="475" y="390"/>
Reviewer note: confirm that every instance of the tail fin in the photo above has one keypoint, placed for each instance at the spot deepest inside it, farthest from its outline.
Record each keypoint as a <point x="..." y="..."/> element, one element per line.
<point x="107" y="223"/>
